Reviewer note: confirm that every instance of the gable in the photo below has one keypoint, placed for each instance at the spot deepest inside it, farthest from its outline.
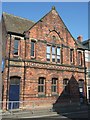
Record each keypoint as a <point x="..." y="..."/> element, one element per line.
<point x="52" y="25"/>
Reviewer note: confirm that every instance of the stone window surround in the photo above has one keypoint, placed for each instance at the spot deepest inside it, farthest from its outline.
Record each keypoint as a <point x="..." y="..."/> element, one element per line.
<point x="18" y="39"/>
<point x="51" y="46"/>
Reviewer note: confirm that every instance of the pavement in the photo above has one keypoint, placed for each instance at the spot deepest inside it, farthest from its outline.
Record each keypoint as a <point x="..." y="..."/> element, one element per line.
<point x="59" y="109"/>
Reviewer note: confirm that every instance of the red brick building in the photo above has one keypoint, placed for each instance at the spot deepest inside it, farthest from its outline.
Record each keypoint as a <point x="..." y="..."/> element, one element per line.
<point x="42" y="61"/>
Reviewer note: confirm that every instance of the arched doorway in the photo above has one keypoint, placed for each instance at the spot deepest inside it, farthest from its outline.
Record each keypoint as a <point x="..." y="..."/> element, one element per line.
<point x="14" y="91"/>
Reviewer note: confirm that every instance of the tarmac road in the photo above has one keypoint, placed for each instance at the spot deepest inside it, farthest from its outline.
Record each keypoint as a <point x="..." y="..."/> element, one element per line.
<point x="66" y="116"/>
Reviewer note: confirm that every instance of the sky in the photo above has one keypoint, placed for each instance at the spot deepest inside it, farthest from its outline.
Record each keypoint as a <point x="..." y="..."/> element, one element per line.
<point x="74" y="14"/>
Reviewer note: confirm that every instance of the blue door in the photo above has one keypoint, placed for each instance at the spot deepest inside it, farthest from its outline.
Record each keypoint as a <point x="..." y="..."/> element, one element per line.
<point x="14" y="91"/>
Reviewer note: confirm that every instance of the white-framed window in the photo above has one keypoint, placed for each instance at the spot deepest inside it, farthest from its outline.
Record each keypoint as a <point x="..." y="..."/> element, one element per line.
<point x="53" y="53"/>
<point x="71" y="56"/>
<point x="16" y="47"/>
<point x="87" y="56"/>
<point x="48" y="52"/>
<point x="79" y="58"/>
<point x="58" y="55"/>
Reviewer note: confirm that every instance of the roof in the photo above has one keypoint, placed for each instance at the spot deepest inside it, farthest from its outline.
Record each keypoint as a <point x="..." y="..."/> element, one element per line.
<point x="86" y="43"/>
<point x="16" y="24"/>
<point x="19" y="25"/>
<point x="80" y="45"/>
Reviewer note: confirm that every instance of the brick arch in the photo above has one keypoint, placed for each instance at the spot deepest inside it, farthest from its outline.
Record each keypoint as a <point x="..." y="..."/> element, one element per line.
<point x="15" y="76"/>
<point x="81" y="80"/>
<point x="15" y="79"/>
<point x="41" y="75"/>
<point x="53" y="76"/>
<point x="54" y="33"/>
<point x="66" y="78"/>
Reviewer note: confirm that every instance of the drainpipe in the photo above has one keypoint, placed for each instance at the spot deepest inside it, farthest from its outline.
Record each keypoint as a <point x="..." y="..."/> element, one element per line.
<point x="7" y="93"/>
<point x="85" y="76"/>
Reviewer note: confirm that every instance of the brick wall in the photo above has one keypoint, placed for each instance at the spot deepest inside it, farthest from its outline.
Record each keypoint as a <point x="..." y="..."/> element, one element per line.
<point x="29" y="70"/>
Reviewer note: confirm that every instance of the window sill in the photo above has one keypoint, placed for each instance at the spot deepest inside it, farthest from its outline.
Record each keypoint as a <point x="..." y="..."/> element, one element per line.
<point x="41" y="95"/>
<point x="72" y="63"/>
<point x="32" y="57"/>
<point x="55" y="94"/>
<point x="80" y="66"/>
<point x="16" y="56"/>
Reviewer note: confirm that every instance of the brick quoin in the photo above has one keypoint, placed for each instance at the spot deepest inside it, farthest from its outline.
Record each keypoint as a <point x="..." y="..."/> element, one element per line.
<point x="29" y="69"/>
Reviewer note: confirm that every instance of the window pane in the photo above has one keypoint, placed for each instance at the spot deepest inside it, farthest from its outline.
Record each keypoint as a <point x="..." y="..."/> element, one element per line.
<point x="54" y="80"/>
<point x="71" y="55"/>
<point x="48" y="56"/>
<point x="54" y="88"/>
<point x="80" y="58"/>
<point x="42" y="81"/>
<point x="48" y="49"/>
<point x="53" y="58"/>
<point x="81" y="83"/>
<point x="58" y="58"/>
<point x="16" y="47"/>
<point x="54" y="85"/>
<point x="16" y="44"/>
<point x="58" y="51"/>
<point x="32" y="48"/>
<point x="42" y="89"/>
<point x="38" y="88"/>
<point x="41" y="84"/>
<point x="16" y="51"/>
<point x="39" y="81"/>
<point x="65" y="82"/>
<point x="53" y="50"/>
<point x="32" y="53"/>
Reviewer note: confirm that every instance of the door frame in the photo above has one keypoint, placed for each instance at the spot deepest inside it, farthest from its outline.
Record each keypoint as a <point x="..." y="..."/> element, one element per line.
<point x="15" y="80"/>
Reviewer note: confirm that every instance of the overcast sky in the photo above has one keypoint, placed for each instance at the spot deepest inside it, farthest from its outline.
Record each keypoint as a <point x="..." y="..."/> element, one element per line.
<point x="74" y="14"/>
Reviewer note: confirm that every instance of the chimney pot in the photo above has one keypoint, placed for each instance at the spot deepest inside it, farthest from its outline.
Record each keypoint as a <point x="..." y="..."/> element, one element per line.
<point x="80" y="38"/>
<point x="53" y="7"/>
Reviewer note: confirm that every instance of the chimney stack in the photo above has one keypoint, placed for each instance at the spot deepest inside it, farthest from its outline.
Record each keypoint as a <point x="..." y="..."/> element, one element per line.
<point x="80" y="38"/>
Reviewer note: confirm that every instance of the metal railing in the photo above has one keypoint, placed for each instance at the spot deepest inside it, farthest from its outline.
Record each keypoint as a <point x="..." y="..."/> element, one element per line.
<point x="35" y="104"/>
